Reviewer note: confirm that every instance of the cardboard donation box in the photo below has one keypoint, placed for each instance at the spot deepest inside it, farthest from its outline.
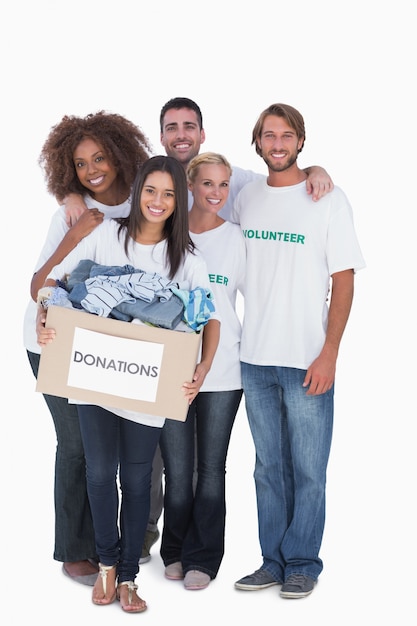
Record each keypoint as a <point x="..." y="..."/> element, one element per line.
<point x="117" y="364"/>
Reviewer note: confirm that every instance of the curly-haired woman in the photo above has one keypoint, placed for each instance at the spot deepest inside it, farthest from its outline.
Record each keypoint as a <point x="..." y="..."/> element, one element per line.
<point x="97" y="156"/>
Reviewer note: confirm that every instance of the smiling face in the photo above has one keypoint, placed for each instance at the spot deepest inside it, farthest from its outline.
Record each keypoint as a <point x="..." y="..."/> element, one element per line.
<point x="95" y="171"/>
<point x="278" y="143"/>
<point x="157" y="199"/>
<point x="210" y="187"/>
<point x="181" y="135"/>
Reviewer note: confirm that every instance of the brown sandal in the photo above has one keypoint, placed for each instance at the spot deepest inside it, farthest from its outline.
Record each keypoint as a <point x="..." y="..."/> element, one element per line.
<point x="129" y="607"/>
<point x="101" y="597"/>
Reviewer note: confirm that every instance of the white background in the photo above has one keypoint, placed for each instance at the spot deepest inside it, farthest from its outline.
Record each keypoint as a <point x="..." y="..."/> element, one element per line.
<point x="350" y="69"/>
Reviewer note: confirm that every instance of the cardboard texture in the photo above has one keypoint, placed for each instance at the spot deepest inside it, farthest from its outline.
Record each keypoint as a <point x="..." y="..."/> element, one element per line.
<point x="179" y="358"/>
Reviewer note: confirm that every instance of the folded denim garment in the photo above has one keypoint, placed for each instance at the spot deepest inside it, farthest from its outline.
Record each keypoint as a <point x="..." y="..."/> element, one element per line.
<point x="125" y="293"/>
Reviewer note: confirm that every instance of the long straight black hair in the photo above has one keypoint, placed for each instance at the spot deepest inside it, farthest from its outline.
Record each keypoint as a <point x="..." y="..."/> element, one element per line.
<point x="176" y="226"/>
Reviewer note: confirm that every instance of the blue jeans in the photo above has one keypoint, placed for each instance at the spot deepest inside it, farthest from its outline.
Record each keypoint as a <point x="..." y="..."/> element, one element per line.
<point x="74" y="534"/>
<point x="292" y="434"/>
<point x="112" y="443"/>
<point x="194" y="518"/>
<point x="157" y="491"/>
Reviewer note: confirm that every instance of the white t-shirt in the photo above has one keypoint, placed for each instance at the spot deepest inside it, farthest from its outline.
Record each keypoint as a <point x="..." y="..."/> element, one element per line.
<point x="57" y="230"/>
<point x="223" y="249"/>
<point x="293" y="247"/>
<point x="105" y="247"/>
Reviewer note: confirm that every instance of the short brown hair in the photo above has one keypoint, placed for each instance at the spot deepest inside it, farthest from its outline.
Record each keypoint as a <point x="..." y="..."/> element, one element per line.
<point x="181" y="103"/>
<point x="292" y="117"/>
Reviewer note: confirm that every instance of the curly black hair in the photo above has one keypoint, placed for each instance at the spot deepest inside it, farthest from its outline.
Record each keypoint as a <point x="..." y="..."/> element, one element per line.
<point x="124" y="143"/>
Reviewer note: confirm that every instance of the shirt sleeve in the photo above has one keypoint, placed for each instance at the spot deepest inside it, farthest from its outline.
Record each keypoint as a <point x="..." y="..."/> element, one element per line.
<point x="85" y="249"/>
<point x="56" y="232"/>
<point x="343" y="249"/>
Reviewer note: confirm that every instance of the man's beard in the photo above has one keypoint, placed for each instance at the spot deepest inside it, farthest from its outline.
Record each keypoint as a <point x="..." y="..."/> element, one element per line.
<point x="280" y="167"/>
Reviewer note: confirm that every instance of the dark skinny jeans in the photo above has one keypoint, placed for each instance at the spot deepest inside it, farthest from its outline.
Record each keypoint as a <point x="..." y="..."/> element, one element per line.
<point x="118" y="450"/>
<point x="74" y="534"/>
<point x="195" y="514"/>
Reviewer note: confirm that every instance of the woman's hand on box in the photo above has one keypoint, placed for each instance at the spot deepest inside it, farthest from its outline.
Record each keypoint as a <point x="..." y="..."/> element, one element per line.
<point x="45" y="335"/>
<point x="191" y="389"/>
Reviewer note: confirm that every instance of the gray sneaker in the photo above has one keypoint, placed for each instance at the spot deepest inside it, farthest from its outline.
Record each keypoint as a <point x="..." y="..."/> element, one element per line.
<point x="297" y="586"/>
<point x="151" y="537"/>
<point x="261" y="579"/>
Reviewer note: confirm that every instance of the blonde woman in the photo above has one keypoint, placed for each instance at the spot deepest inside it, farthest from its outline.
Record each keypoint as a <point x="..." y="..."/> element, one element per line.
<point x="192" y="544"/>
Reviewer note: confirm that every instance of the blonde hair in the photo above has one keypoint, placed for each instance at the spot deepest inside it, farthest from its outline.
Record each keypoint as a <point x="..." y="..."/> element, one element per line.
<point x="206" y="158"/>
